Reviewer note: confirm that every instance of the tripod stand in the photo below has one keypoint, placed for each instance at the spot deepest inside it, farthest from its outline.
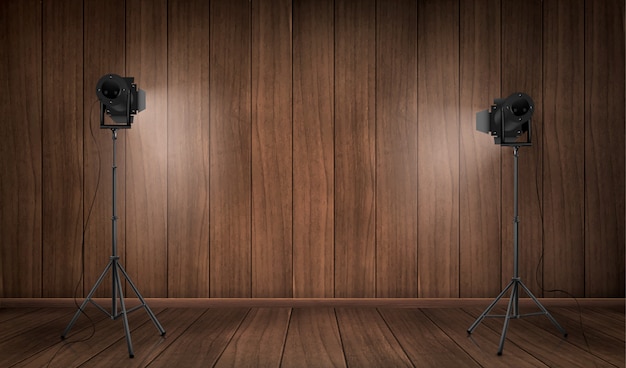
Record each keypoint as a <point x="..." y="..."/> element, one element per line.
<point x="115" y="267"/>
<point x="516" y="283"/>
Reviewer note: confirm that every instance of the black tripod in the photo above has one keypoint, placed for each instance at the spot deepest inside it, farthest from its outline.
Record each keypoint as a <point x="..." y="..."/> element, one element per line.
<point x="516" y="283"/>
<point x="115" y="267"/>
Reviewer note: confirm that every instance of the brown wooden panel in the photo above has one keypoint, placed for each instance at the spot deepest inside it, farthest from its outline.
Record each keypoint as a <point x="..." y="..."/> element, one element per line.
<point x="62" y="147"/>
<point x="604" y="148"/>
<point x="271" y="149"/>
<point x="259" y="340"/>
<point x="104" y="53"/>
<point x="563" y="160"/>
<point x="188" y="148"/>
<point x="21" y="151"/>
<point x="355" y="160"/>
<point x="146" y="148"/>
<point x="313" y="152"/>
<point x="396" y="149"/>
<point x="479" y="165"/>
<point x="230" y="144"/>
<point x="367" y="341"/>
<point x="521" y="72"/>
<point x="438" y="149"/>
<point x="313" y="339"/>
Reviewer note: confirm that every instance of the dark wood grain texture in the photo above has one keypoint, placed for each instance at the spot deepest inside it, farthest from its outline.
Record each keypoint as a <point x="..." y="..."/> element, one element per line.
<point x="42" y="333"/>
<point x="479" y="165"/>
<point x="104" y="53"/>
<point x="552" y="350"/>
<point x="563" y="158"/>
<point x="367" y="341"/>
<point x="259" y="340"/>
<point x="188" y="149"/>
<point x="521" y="68"/>
<point x="355" y="149"/>
<point x="313" y="150"/>
<point x="396" y="149"/>
<point x="424" y="343"/>
<point x="187" y="336"/>
<point x="21" y="151"/>
<point x="482" y="345"/>
<point x="438" y="149"/>
<point x="272" y="139"/>
<point x="604" y="149"/>
<point x="146" y="148"/>
<point x="199" y="345"/>
<point x="315" y="336"/>
<point x="70" y="353"/>
<point x="231" y="146"/>
<point x="313" y="339"/>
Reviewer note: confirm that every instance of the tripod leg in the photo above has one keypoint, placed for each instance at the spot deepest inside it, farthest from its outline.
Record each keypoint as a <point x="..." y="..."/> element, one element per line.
<point x="87" y="299"/>
<point x="489" y="308"/>
<point x="507" y="317"/>
<point x="143" y="302"/>
<point x="544" y="310"/>
<point x="123" y="313"/>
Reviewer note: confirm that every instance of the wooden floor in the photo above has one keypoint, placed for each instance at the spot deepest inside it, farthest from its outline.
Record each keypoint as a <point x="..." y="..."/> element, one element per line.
<point x="312" y="337"/>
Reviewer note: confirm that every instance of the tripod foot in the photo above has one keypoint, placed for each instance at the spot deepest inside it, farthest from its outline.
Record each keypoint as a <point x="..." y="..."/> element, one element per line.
<point x="131" y="355"/>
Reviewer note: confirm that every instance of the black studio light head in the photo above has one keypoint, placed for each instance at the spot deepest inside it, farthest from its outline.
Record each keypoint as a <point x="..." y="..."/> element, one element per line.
<point x="508" y="119"/>
<point x="120" y="99"/>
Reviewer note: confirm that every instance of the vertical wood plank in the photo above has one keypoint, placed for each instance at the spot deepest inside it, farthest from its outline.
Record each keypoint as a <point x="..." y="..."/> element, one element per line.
<point x="563" y="160"/>
<point x="146" y="148"/>
<point x="479" y="165"/>
<point x="271" y="149"/>
<point x="21" y="150"/>
<point x="188" y="148"/>
<point x="521" y="72"/>
<point x="604" y="148"/>
<point x="396" y="149"/>
<point x="313" y="151"/>
<point x="355" y="155"/>
<point x="438" y="149"/>
<point x="230" y="144"/>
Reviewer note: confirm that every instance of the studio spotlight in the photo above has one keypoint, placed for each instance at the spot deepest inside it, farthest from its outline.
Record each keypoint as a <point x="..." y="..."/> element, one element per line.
<point x="508" y="119"/>
<point x="120" y="99"/>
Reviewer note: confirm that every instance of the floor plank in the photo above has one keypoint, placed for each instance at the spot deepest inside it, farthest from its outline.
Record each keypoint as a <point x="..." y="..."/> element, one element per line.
<point x="73" y="352"/>
<point x="552" y="349"/>
<point x="481" y="345"/>
<point x="26" y="322"/>
<point x="147" y="340"/>
<point x="588" y="338"/>
<point x="367" y="341"/>
<point x="202" y="343"/>
<point x="424" y="342"/>
<point x="259" y="340"/>
<point x="43" y="336"/>
<point x="313" y="339"/>
<point x="608" y="323"/>
<point x="316" y="336"/>
<point x="7" y="314"/>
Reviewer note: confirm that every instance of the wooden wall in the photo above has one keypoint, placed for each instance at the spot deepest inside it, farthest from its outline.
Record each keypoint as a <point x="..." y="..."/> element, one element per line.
<point x="312" y="148"/>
